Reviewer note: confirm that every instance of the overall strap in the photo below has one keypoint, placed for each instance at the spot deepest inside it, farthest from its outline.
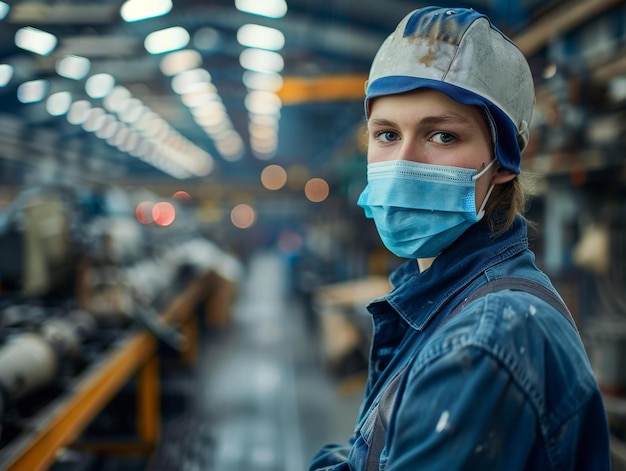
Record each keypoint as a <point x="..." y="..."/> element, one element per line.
<point x="517" y="284"/>
<point x="388" y="398"/>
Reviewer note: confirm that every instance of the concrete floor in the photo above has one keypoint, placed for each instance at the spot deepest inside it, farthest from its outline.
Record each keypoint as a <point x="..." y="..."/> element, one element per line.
<point x="261" y="399"/>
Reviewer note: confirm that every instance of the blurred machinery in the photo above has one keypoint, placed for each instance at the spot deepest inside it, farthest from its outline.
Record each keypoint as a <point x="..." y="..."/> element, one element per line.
<point x="81" y="292"/>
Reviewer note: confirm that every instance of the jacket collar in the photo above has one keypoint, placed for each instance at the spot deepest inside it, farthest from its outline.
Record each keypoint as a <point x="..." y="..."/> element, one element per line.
<point x="418" y="296"/>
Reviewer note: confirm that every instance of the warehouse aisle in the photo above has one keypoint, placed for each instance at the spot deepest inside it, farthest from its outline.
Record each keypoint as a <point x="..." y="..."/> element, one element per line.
<point x="262" y="400"/>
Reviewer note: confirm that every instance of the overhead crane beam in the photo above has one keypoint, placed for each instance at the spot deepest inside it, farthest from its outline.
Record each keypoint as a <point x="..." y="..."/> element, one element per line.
<point x="562" y="19"/>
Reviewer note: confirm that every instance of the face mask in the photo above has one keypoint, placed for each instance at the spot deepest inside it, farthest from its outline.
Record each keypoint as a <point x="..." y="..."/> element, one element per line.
<point x="420" y="209"/>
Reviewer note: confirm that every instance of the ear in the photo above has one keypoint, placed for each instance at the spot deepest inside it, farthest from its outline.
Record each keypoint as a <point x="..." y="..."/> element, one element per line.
<point x="502" y="176"/>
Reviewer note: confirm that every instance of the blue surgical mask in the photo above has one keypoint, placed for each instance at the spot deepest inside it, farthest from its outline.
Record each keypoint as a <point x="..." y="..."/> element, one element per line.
<point x="420" y="209"/>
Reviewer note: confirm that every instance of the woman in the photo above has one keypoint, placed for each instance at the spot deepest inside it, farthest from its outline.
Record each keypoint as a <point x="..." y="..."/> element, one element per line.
<point x="475" y="364"/>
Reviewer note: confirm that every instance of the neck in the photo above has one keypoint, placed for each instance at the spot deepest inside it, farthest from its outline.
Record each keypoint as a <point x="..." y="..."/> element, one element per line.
<point x="424" y="263"/>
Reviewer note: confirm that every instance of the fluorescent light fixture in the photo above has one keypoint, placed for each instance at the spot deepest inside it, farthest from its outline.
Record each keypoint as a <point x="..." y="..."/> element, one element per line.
<point x="261" y="61"/>
<point x="73" y="67"/>
<point x="196" y="99"/>
<point x="262" y="37"/>
<point x="267" y="81"/>
<point x="116" y="100"/>
<point x="121" y="134"/>
<point x="109" y="128"/>
<point x="136" y="10"/>
<point x="99" y="85"/>
<point x="145" y="121"/>
<point x="264" y="120"/>
<point x="190" y="81"/>
<point x="262" y="132"/>
<point x="263" y="149"/>
<point x="59" y="103"/>
<point x="34" y="40"/>
<point x="166" y="40"/>
<point x="209" y="109"/>
<point x="263" y="103"/>
<point x="78" y="112"/>
<point x="6" y="72"/>
<point x="268" y="8"/>
<point x="230" y="146"/>
<point x="212" y="120"/>
<point x="132" y="111"/>
<point x="4" y="10"/>
<point x="32" y="91"/>
<point x="214" y="128"/>
<point x="96" y="118"/>
<point x="179" y="61"/>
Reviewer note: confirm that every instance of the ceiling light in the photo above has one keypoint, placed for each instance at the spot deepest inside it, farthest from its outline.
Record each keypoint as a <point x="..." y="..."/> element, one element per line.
<point x="214" y="129"/>
<point x="267" y="81"/>
<point x="59" y="103"/>
<point x="108" y="128"/>
<point x="261" y="61"/>
<point x="209" y="109"/>
<point x="73" y="67"/>
<point x="204" y="164"/>
<point x="144" y="123"/>
<point x="4" y="10"/>
<point x="261" y="132"/>
<point x="79" y="111"/>
<point x="230" y="146"/>
<point x="262" y="37"/>
<point x="264" y="120"/>
<point x="136" y="10"/>
<point x="166" y="40"/>
<point x="269" y="8"/>
<point x="179" y="61"/>
<point x="96" y="119"/>
<point x="121" y="134"/>
<point x="130" y="143"/>
<point x="263" y="150"/>
<point x="35" y="40"/>
<point x="196" y="99"/>
<point x="263" y="103"/>
<point x="99" y="85"/>
<point x="6" y="72"/>
<point x="132" y="111"/>
<point x="116" y="100"/>
<point x="156" y="127"/>
<point x="190" y="81"/>
<point x="33" y="91"/>
<point x="213" y="121"/>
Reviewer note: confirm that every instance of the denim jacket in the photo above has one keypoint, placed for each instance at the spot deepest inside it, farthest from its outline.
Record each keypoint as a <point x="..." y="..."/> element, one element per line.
<point x="504" y="385"/>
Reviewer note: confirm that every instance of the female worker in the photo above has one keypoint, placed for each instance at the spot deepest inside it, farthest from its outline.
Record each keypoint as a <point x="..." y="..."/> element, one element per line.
<point x="475" y="363"/>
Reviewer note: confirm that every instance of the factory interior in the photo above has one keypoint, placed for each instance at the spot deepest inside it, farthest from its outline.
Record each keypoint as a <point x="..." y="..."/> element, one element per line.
<point x="184" y="270"/>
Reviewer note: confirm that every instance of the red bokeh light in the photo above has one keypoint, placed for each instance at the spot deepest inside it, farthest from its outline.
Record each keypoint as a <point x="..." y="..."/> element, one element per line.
<point x="163" y="213"/>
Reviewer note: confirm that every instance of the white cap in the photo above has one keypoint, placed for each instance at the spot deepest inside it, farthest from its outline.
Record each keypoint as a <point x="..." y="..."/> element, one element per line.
<point x="460" y="53"/>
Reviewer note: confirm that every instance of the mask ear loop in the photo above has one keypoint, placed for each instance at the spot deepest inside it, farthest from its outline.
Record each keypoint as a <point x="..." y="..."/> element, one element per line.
<point x="481" y="210"/>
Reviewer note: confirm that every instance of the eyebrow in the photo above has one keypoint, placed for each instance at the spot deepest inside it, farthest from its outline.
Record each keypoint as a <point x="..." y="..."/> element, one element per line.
<point x="448" y="117"/>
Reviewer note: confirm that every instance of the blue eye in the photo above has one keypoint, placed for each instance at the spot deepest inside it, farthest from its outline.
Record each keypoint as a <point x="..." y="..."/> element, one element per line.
<point x="387" y="136"/>
<point x="443" y="138"/>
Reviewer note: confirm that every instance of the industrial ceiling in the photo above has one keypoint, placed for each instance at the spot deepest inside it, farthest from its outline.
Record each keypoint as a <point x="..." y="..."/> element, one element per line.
<point x="56" y="122"/>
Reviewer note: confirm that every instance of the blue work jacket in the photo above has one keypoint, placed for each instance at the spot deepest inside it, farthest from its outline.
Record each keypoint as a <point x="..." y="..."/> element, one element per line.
<point x="505" y="384"/>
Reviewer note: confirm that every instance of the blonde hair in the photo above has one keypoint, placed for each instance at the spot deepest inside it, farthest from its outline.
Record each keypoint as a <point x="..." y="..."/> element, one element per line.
<point x="505" y="203"/>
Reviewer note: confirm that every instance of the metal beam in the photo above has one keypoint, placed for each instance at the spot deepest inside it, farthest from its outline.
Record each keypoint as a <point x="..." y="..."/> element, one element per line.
<point x="562" y="19"/>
